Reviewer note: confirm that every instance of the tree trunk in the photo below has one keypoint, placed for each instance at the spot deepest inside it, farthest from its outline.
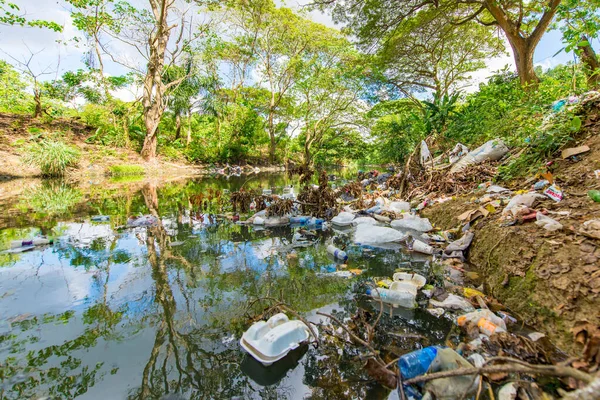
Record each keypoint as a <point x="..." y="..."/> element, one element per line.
<point x="523" y="46"/>
<point x="307" y="155"/>
<point x="38" y="103"/>
<point x="523" y="54"/>
<point x="177" y="126"/>
<point x="272" y="130"/>
<point x="189" y="130"/>
<point x="153" y="99"/>
<point x="590" y="62"/>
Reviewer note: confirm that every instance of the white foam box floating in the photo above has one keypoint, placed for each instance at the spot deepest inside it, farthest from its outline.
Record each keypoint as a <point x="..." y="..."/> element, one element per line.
<point x="269" y="341"/>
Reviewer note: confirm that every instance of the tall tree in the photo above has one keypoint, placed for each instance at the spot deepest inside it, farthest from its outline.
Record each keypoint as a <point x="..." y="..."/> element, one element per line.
<point x="328" y="92"/>
<point x="278" y="38"/>
<point x="427" y="52"/>
<point x="523" y="22"/>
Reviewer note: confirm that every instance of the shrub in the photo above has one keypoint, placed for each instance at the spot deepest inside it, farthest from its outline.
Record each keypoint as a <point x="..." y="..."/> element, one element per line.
<point x="52" y="157"/>
<point x="126" y="169"/>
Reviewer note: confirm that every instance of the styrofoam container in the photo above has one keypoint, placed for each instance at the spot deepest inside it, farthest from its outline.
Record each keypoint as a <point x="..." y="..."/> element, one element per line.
<point x="416" y="279"/>
<point x="269" y="341"/>
<point x="404" y="286"/>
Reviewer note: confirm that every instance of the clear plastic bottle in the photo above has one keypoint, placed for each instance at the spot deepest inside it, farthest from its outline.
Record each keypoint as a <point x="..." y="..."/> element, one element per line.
<point x="417" y="362"/>
<point x="337" y="253"/>
<point x="395" y="297"/>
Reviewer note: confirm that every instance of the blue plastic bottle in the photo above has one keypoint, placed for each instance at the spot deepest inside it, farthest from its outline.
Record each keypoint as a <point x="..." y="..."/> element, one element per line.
<point x="316" y="221"/>
<point x="417" y="362"/>
<point x="299" y="220"/>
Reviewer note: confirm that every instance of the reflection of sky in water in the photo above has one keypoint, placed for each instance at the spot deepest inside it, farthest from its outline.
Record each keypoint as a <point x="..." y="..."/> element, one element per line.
<point x="195" y="289"/>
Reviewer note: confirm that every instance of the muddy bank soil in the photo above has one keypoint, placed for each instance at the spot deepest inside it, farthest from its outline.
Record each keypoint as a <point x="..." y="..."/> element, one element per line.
<point x="550" y="279"/>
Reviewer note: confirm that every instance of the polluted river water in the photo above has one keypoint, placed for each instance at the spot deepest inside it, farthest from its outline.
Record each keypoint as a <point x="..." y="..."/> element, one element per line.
<point x="156" y="312"/>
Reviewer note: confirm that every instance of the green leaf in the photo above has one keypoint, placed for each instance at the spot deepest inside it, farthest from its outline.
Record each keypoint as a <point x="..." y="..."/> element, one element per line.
<point x="575" y="123"/>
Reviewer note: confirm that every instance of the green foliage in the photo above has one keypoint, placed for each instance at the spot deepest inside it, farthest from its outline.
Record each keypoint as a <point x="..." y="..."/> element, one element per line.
<point x="51" y="156"/>
<point x="10" y="15"/>
<point x="126" y="169"/>
<point x="13" y="97"/>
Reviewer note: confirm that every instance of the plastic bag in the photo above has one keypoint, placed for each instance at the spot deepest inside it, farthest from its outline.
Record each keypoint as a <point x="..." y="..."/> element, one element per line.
<point x="364" y="221"/>
<point x="459" y="151"/>
<point x="453" y="302"/>
<point x="343" y="218"/>
<point x="399" y="206"/>
<point x="412" y="222"/>
<point x="490" y="151"/>
<point x="526" y="199"/>
<point x="377" y="234"/>
<point x="452" y="387"/>
<point x="547" y="223"/>
<point x="425" y="153"/>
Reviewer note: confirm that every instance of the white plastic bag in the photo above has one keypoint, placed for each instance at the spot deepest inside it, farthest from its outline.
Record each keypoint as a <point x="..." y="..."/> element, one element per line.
<point x="453" y="302"/>
<point x="425" y="153"/>
<point x="343" y="218"/>
<point x="364" y="221"/>
<point x="526" y="199"/>
<point x="367" y="234"/>
<point x="399" y="206"/>
<point x="547" y="223"/>
<point x="412" y="222"/>
<point x="490" y="151"/>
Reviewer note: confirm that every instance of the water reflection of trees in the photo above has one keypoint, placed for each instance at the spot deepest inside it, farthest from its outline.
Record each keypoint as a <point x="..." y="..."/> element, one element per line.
<point x="199" y="298"/>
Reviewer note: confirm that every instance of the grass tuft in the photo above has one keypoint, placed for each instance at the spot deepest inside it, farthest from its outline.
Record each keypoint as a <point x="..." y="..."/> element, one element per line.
<point x="126" y="169"/>
<point x="52" y="157"/>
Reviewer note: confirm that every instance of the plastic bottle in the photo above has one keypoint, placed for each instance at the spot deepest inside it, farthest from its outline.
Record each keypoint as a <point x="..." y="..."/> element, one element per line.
<point x="100" y="218"/>
<point x="594" y="195"/>
<point x="302" y="219"/>
<point x="316" y="221"/>
<point x="337" y="253"/>
<point x="488" y="328"/>
<point x="417" y="362"/>
<point x="34" y="242"/>
<point x="395" y="297"/>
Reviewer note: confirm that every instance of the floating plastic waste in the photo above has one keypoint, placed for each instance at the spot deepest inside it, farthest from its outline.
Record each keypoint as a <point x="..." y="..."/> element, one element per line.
<point x="343" y="219"/>
<point x="412" y="222"/>
<point x="417" y="362"/>
<point x="337" y="253"/>
<point x="367" y="234"/>
<point x="269" y="341"/>
<point x="100" y="218"/>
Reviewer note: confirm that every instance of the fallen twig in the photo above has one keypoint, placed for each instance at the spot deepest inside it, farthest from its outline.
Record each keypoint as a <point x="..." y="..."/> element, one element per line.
<point x="517" y="366"/>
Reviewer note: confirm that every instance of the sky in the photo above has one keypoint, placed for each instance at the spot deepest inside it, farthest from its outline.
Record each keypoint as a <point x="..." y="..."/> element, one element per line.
<point x="18" y="42"/>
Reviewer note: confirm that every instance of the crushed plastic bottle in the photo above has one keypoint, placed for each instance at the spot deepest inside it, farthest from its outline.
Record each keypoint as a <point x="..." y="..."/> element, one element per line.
<point x="417" y="362"/>
<point x="337" y="253"/>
